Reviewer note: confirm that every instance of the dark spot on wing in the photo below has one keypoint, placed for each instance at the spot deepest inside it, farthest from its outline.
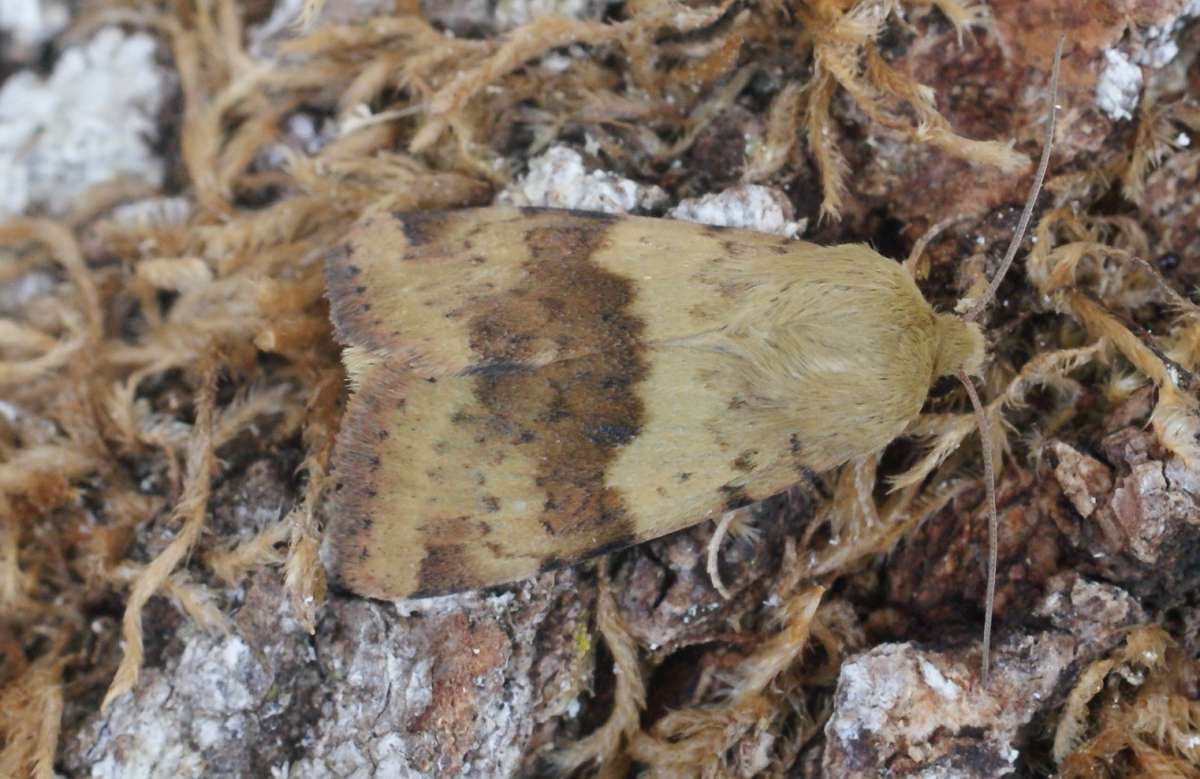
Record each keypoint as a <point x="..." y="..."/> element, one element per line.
<point x="494" y="370"/>
<point x="609" y="435"/>
<point x="446" y="568"/>
<point x="745" y="460"/>
<point x="733" y="496"/>
<point x="421" y="227"/>
<point x="798" y="456"/>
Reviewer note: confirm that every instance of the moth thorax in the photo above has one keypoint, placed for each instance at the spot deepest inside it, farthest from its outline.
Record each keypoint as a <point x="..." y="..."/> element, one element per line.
<point x="959" y="346"/>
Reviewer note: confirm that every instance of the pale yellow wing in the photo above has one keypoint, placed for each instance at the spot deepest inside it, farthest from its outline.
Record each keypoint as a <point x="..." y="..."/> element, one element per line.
<point x="536" y="386"/>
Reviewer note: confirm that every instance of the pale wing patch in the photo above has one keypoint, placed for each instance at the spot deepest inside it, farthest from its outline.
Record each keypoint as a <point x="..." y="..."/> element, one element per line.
<point x="406" y="285"/>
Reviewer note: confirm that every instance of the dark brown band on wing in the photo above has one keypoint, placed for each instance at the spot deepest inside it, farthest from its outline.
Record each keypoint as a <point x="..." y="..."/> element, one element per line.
<point x="573" y="414"/>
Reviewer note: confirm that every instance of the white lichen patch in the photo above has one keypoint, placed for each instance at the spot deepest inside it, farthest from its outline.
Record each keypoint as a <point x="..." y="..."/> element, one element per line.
<point x="1119" y="87"/>
<point x="898" y="701"/>
<point x="748" y="206"/>
<point x="559" y="179"/>
<point x="175" y="723"/>
<point x="92" y="120"/>
<point x="437" y="605"/>
<point x="937" y="681"/>
<point x="29" y="23"/>
<point x="877" y="695"/>
<point x="1155" y="46"/>
<point x="1159" y="43"/>
<point x="513" y="13"/>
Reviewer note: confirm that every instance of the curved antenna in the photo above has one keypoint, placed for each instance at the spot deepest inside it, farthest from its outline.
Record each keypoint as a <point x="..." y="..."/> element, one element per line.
<point x="1034" y="191"/>
<point x="989" y="471"/>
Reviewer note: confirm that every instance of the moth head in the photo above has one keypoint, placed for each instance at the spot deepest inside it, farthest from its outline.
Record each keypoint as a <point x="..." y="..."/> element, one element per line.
<point x="959" y="346"/>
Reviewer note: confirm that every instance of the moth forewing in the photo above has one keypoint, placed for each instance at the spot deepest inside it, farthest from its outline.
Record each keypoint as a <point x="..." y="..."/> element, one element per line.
<point x="537" y="386"/>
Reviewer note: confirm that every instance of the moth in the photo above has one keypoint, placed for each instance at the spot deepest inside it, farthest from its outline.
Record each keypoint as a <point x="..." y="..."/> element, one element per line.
<point x="531" y="387"/>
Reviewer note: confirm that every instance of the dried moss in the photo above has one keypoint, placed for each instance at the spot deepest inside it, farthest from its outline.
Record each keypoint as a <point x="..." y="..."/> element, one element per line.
<point x="163" y="342"/>
<point x="1133" y="713"/>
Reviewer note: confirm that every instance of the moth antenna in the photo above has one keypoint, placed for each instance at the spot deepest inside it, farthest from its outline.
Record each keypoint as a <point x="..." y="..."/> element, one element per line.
<point x="927" y="238"/>
<point x="1034" y="191"/>
<point x="989" y="481"/>
<point x="985" y="436"/>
